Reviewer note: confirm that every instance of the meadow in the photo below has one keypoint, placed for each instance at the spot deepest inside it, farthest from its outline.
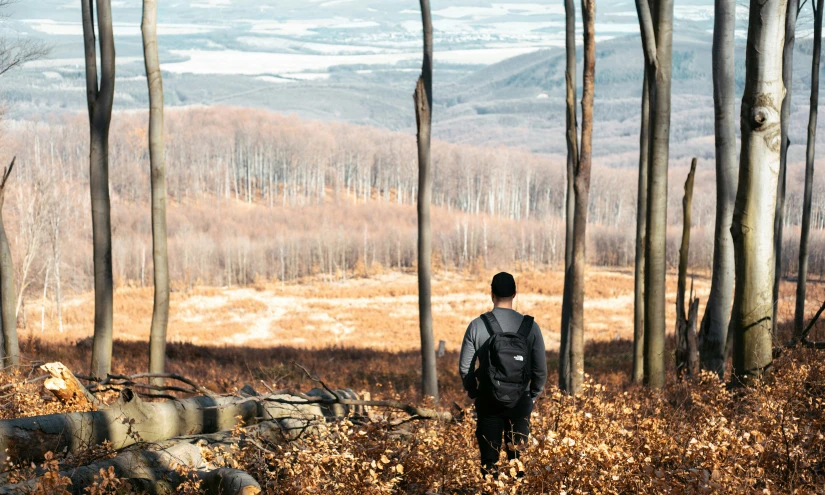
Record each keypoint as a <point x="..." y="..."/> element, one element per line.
<point x="377" y="312"/>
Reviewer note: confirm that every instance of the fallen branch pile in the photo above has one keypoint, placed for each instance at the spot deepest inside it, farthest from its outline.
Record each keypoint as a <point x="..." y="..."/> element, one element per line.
<point x="158" y="444"/>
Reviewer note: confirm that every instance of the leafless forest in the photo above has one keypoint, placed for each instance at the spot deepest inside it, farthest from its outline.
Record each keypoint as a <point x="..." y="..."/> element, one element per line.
<point x="297" y="198"/>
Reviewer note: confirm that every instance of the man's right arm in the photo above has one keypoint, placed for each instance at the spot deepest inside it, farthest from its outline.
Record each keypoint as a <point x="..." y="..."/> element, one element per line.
<point x="467" y="361"/>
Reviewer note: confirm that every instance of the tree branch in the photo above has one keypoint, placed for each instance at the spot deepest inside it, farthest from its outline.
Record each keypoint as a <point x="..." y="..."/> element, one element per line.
<point x="7" y="173"/>
<point x="648" y="36"/>
<point x="803" y="337"/>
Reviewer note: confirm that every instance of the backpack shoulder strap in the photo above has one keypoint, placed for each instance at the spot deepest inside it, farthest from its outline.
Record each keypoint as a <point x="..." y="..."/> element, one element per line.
<point x="526" y="326"/>
<point x="491" y="323"/>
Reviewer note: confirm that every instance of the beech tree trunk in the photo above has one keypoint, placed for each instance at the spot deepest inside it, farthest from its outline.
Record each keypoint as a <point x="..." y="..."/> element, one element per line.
<point x="151" y="469"/>
<point x="28" y="439"/>
<point x="791" y="14"/>
<point x="655" y="251"/>
<point x="8" y="296"/>
<point x="100" y="97"/>
<point x="753" y="219"/>
<point x="810" y="153"/>
<point x="641" y="227"/>
<point x="155" y="469"/>
<point x="714" y="330"/>
<point x="423" y="115"/>
<point x="651" y="63"/>
<point x="582" y="190"/>
<point x="570" y="207"/>
<point x="160" y="259"/>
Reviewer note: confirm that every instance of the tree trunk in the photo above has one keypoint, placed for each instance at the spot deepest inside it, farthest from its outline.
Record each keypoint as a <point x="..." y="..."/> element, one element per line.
<point x="100" y="98"/>
<point x="160" y="260"/>
<point x="684" y="250"/>
<point x="28" y="439"/>
<point x="156" y="469"/>
<point x="641" y="226"/>
<point x="423" y="97"/>
<point x="687" y="358"/>
<point x="655" y="251"/>
<point x="582" y="190"/>
<point x="58" y="294"/>
<point x="791" y="14"/>
<point x="753" y="219"/>
<point x="801" y="284"/>
<point x="8" y="309"/>
<point x="572" y="166"/>
<point x="714" y="329"/>
<point x="228" y="481"/>
<point x="153" y="469"/>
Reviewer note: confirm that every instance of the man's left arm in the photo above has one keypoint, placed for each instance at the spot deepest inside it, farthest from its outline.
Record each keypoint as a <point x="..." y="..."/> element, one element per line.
<point x="539" y="364"/>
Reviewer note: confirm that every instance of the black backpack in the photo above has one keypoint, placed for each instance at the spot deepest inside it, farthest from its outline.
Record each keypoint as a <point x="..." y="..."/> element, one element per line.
<point x="507" y="361"/>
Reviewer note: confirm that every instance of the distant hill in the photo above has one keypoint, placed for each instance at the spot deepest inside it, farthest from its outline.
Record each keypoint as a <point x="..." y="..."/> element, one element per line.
<point x="357" y="61"/>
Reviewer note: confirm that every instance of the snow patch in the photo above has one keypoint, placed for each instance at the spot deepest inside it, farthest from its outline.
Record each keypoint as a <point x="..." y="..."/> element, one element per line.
<point x="65" y="28"/>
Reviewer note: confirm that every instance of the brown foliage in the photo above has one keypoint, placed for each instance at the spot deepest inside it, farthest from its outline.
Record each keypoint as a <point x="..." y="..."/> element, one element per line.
<point x="693" y="437"/>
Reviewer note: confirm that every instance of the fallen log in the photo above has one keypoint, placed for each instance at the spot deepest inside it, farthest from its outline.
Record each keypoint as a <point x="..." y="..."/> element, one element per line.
<point x="154" y="469"/>
<point x="124" y="423"/>
<point x="131" y="420"/>
<point x="328" y="398"/>
<point x="227" y="481"/>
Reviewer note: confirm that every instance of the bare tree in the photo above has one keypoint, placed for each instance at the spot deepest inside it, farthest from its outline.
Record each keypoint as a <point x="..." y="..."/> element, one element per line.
<point x="659" y="22"/>
<point x="423" y="97"/>
<point x="791" y="15"/>
<point x="160" y="259"/>
<point x="753" y="219"/>
<point x="54" y="222"/>
<point x="13" y="53"/>
<point x="582" y="192"/>
<point x="714" y="329"/>
<point x="802" y="282"/>
<point x="33" y="207"/>
<point x="8" y="313"/>
<point x="570" y="201"/>
<point x="687" y="351"/>
<point x="16" y="52"/>
<point x="641" y="226"/>
<point x="100" y="97"/>
<point x="649" y="49"/>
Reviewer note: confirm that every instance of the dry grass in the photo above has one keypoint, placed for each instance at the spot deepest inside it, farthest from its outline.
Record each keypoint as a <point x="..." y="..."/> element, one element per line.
<point x="379" y="312"/>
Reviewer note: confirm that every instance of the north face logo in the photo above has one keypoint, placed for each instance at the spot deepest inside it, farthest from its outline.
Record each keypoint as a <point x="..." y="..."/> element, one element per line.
<point x="519" y="358"/>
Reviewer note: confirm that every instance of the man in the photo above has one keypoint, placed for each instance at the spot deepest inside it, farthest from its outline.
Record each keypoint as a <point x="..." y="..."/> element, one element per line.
<point x="502" y="413"/>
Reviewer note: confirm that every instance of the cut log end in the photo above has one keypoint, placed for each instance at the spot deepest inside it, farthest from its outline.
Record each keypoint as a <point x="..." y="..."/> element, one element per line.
<point x="64" y="385"/>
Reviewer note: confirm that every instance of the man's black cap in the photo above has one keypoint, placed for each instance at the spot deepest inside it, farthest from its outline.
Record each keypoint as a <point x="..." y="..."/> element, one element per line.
<point x="504" y="285"/>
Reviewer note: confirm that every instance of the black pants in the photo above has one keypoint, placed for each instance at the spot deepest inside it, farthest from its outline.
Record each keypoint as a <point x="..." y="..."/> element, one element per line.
<point x="496" y="421"/>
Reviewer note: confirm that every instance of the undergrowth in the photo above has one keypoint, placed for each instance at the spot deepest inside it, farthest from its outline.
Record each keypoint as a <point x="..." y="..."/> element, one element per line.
<point x="694" y="437"/>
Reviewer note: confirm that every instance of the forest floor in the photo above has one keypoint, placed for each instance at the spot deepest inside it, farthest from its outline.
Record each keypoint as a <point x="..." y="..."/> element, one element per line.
<point x="693" y="437"/>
